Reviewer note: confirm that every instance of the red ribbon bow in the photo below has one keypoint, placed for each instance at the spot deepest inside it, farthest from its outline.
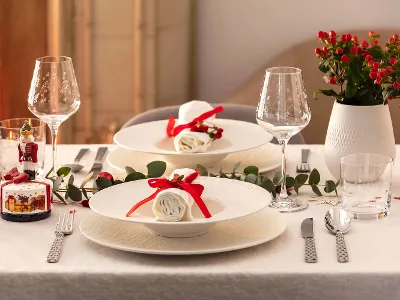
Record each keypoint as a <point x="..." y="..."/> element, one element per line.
<point x="171" y="131"/>
<point x="195" y="190"/>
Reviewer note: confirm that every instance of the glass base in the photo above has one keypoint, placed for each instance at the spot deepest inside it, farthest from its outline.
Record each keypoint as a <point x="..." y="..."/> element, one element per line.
<point x="288" y="205"/>
<point x="364" y="211"/>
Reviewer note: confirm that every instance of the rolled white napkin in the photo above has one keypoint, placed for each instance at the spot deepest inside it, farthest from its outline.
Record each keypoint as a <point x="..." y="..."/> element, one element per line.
<point x="173" y="205"/>
<point x="191" y="141"/>
<point x="184" y="171"/>
<point x="193" y="109"/>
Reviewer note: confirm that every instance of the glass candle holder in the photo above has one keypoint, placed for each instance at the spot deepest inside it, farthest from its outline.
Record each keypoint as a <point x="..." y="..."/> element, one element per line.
<point x="10" y="138"/>
<point x="366" y="182"/>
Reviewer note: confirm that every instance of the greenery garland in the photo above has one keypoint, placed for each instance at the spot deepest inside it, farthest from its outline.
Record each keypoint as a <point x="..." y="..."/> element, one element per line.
<point x="157" y="169"/>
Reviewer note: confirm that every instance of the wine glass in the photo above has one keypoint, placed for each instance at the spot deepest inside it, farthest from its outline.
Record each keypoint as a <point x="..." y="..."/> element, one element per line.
<point x="283" y="111"/>
<point x="54" y="94"/>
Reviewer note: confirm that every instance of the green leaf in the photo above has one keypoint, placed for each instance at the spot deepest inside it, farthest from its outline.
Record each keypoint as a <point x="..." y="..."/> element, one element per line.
<point x="269" y="186"/>
<point x="129" y="170"/>
<point x="66" y="195"/>
<point x="355" y="71"/>
<point x="236" y="166"/>
<point x="330" y="93"/>
<point x="330" y="186"/>
<point x="59" y="197"/>
<point x="202" y="170"/>
<point x="156" y="169"/>
<point x="85" y="193"/>
<point x="118" y="182"/>
<point x="289" y="181"/>
<point x="299" y="181"/>
<point x="314" y="177"/>
<point x="63" y="171"/>
<point x="250" y="178"/>
<point x="316" y="190"/>
<point x="222" y="174"/>
<point x="251" y="170"/>
<point x="74" y="193"/>
<point x="351" y="89"/>
<point x="277" y="178"/>
<point x="323" y="66"/>
<point x="71" y="179"/>
<point x="376" y="52"/>
<point x="48" y="173"/>
<point x="337" y="183"/>
<point x="103" y="183"/>
<point x="213" y="175"/>
<point x="86" y="179"/>
<point x="133" y="177"/>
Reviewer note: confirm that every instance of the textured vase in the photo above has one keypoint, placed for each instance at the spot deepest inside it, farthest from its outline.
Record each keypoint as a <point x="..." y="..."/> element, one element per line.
<point x="358" y="129"/>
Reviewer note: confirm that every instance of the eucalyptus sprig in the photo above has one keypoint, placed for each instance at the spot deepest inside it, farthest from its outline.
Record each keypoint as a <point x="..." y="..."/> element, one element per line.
<point x="157" y="169"/>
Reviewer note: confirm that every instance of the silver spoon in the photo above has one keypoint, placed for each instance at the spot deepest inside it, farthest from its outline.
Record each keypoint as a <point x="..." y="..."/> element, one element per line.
<point x="75" y="166"/>
<point x="338" y="222"/>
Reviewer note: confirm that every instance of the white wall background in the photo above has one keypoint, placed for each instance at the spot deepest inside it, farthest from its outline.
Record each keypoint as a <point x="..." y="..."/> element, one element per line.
<point x="235" y="38"/>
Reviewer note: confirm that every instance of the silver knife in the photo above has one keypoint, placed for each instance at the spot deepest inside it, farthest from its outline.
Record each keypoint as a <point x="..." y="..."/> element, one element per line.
<point x="98" y="161"/>
<point x="307" y="231"/>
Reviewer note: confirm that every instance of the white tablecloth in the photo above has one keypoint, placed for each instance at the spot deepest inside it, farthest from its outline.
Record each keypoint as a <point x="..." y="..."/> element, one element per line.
<point x="275" y="270"/>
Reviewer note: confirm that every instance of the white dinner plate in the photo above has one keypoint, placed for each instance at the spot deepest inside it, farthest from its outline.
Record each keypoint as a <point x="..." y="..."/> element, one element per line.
<point x="242" y="233"/>
<point x="151" y="138"/>
<point x="266" y="158"/>
<point x="226" y="199"/>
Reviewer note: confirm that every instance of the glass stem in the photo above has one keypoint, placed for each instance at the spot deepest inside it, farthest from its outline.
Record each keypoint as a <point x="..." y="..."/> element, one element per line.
<point x="54" y="131"/>
<point x="283" y="194"/>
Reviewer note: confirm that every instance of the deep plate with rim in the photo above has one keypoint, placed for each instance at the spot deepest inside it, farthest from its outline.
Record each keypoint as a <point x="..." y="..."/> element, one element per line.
<point x="266" y="158"/>
<point x="250" y="231"/>
<point x="151" y="138"/>
<point x="226" y="200"/>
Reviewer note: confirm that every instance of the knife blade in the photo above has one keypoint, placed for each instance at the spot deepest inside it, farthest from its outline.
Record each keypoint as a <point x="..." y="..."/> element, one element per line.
<point x="307" y="231"/>
<point x="98" y="161"/>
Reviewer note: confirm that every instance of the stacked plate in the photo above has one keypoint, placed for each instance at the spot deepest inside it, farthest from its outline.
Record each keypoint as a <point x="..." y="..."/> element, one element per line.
<point x="240" y="217"/>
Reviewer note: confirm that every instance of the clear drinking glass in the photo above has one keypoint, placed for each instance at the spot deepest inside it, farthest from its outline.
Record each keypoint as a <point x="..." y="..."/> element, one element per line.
<point x="9" y="140"/>
<point x="54" y="94"/>
<point x="366" y="182"/>
<point x="283" y="111"/>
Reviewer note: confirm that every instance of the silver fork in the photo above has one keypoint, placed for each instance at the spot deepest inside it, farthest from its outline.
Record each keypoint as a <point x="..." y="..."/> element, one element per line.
<point x="64" y="227"/>
<point x="304" y="167"/>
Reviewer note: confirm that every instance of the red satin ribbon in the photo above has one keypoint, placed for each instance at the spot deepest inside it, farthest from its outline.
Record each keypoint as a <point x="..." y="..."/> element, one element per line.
<point x="195" y="190"/>
<point x="174" y="131"/>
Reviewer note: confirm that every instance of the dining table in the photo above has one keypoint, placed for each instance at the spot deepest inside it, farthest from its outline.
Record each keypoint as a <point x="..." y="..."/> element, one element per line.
<point x="274" y="270"/>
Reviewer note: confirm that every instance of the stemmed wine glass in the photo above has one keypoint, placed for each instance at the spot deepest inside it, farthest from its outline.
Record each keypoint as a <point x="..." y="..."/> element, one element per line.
<point x="54" y="94"/>
<point x="283" y="111"/>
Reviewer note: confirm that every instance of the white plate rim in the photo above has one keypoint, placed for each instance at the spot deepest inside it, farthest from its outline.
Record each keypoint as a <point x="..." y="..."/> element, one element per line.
<point x="112" y="164"/>
<point x="283" y="226"/>
<point x="208" y="153"/>
<point x="185" y="223"/>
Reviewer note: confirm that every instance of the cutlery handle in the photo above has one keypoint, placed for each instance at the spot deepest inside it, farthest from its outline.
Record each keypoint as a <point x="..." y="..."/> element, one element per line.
<point x="341" y="250"/>
<point x="304" y="155"/>
<point x="100" y="154"/>
<point x="54" y="253"/>
<point x="81" y="154"/>
<point x="310" y="253"/>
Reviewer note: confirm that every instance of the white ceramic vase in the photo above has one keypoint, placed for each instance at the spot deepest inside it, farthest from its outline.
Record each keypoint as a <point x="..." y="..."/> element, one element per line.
<point x="358" y="129"/>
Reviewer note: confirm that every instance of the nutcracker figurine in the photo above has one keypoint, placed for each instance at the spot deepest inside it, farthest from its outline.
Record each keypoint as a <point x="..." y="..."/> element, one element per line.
<point x="28" y="150"/>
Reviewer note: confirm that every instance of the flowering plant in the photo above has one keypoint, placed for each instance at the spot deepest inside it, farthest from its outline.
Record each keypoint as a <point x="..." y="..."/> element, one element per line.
<point x="365" y="73"/>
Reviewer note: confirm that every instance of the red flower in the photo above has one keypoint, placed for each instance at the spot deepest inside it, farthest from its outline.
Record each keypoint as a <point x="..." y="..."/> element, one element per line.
<point x="373" y="75"/>
<point x="370" y="63"/>
<point x="376" y="64"/>
<point x="220" y="130"/>
<point x="360" y="50"/>
<point x="85" y="203"/>
<point x="389" y="70"/>
<point x="390" y="97"/>
<point x="364" y="44"/>
<point x="339" y="51"/>
<point x="217" y="136"/>
<point x="318" y="51"/>
<point x="391" y="40"/>
<point x="325" y="49"/>
<point x="105" y="175"/>
<point x="354" y="50"/>
<point x="332" y="41"/>
<point x="378" y="82"/>
<point x="345" y="58"/>
<point x="395" y="36"/>
<point x="332" y="34"/>
<point x="392" y="60"/>
<point x="375" y="42"/>
<point x="366" y="52"/>
<point x="396" y="85"/>
<point x="321" y="35"/>
<point x="332" y="80"/>
<point x="371" y="33"/>
<point x="344" y="37"/>
<point x="382" y="74"/>
<point x="348" y="37"/>
<point x="368" y="57"/>
<point x="374" y="70"/>
<point x="354" y="38"/>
